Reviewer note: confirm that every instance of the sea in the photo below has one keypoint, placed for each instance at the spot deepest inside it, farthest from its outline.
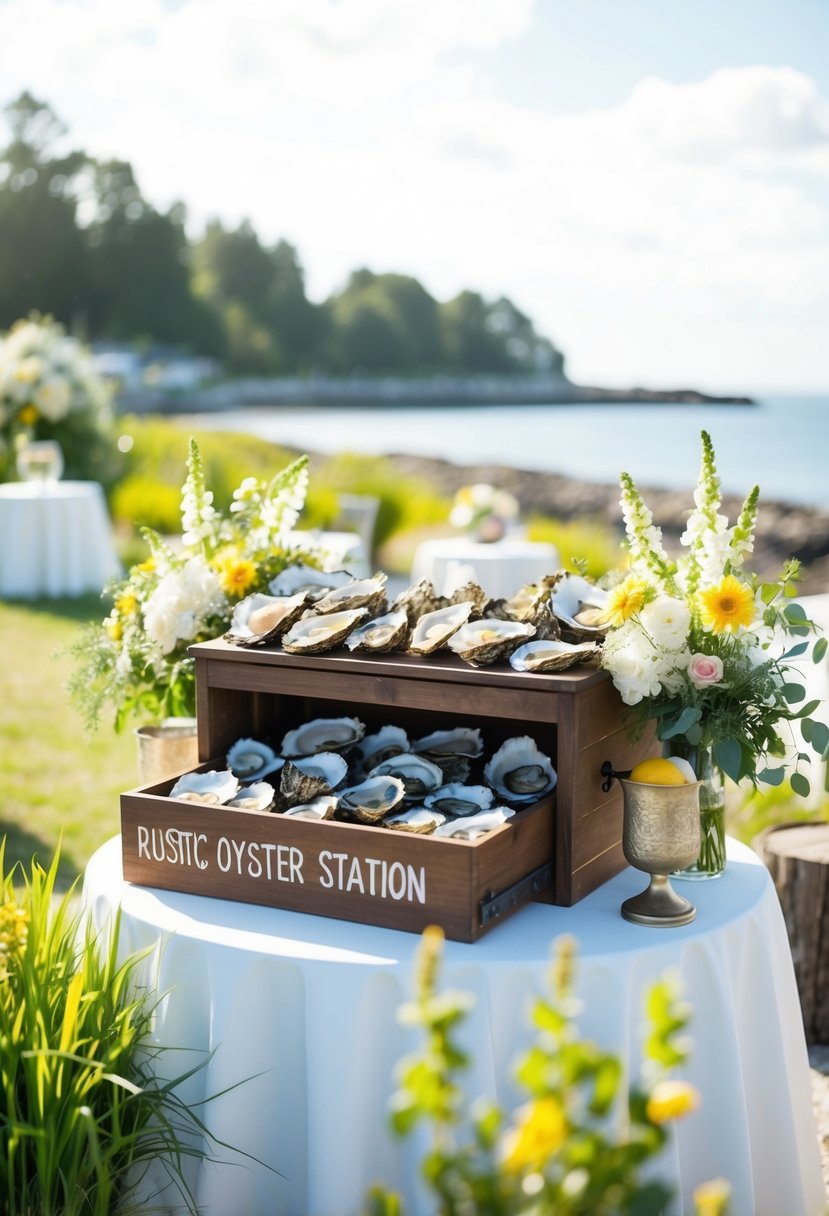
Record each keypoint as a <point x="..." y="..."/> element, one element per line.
<point x="781" y="443"/>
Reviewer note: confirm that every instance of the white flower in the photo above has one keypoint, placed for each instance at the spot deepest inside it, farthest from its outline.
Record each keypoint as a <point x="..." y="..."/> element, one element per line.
<point x="667" y="621"/>
<point x="183" y="599"/>
<point x="53" y="398"/>
<point x="633" y="663"/>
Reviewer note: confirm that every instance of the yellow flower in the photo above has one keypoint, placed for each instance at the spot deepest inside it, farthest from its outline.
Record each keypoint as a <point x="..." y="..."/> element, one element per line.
<point x="711" y="1199"/>
<point x="14" y="928"/>
<point x="726" y="606"/>
<point x="146" y="567"/>
<point x="113" y="629"/>
<point x="236" y="575"/>
<point x="28" y="416"/>
<point x="625" y="600"/>
<point x="671" y="1100"/>
<point x="126" y="604"/>
<point x="540" y="1134"/>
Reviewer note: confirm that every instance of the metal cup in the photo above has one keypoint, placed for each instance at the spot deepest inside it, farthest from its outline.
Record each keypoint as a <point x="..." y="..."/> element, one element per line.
<point x="660" y="833"/>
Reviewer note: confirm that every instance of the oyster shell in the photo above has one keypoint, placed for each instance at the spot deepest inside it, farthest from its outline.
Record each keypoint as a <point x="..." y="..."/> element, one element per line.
<point x="368" y="593"/>
<point x="319" y="808"/>
<point x="302" y="780"/>
<point x="301" y="578"/>
<point x="259" y="618"/>
<point x="416" y="600"/>
<point x="552" y="655"/>
<point x="212" y="788"/>
<point x="418" y="819"/>
<point x="579" y="606"/>
<point x="315" y="633"/>
<point x="384" y="633"/>
<point x="387" y="741"/>
<point x="519" y="772"/>
<point x="434" y="629"/>
<point x="419" y="776"/>
<point x="474" y="826"/>
<point x="322" y="735"/>
<point x="256" y="797"/>
<point x="472" y="592"/>
<point x="487" y="641"/>
<point x="372" y="799"/>
<point x="451" y="750"/>
<point x="248" y="759"/>
<point x="461" y="800"/>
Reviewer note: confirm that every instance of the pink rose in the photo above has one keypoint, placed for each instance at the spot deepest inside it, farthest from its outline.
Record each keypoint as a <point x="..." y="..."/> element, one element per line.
<point x="704" y="669"/>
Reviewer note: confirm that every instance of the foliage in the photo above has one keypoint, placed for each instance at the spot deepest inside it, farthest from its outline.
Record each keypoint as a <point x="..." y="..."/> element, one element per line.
<point x="570" y="1151"/>
<point x="82" y="1115"/>
<point x="137" y="659"/>
<point x="582" y="544"/>
<point x="49" y="389"/>
<point x="707" y="649"/>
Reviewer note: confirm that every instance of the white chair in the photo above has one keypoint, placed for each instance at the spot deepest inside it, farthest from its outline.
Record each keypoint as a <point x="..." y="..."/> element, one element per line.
<point x="358" y="514"/>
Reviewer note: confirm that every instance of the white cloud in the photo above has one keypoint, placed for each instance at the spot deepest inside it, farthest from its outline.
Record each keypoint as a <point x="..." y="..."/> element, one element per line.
<point x="643" y="236"/>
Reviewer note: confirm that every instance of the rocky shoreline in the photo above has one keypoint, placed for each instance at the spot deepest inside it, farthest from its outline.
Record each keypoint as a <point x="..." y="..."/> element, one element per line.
<point x="783" y="530"/>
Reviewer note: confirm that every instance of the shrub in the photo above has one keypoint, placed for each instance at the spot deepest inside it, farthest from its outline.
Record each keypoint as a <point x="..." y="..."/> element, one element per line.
<point x="578" y="541"/>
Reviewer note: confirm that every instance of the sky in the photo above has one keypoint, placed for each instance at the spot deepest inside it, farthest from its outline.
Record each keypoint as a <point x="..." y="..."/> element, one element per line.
<point x="647" y="179"/>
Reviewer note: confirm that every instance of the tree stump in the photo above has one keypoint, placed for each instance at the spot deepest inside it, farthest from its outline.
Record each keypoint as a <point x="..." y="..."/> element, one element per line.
<point x="797" y="856"/>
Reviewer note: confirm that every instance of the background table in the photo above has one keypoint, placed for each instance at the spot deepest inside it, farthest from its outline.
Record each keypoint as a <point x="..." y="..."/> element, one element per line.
<point x="54" y="539"/>
<point x="500" y="568"/>
<point x="303" y="1010"/>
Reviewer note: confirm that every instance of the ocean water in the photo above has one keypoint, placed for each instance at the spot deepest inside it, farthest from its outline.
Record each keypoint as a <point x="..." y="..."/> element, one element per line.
<point x="780" y="444"/>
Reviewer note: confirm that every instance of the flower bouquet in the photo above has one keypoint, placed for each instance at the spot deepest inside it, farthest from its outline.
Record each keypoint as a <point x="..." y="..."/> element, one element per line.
<point x="707" y="650"/>
<point x="484" y="511"/>
<point x="50" y="390"/>
<point x="137" y="658"/>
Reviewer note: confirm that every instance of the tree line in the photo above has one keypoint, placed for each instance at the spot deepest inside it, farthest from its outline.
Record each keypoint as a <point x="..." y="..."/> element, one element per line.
<point x="82" y="243"/>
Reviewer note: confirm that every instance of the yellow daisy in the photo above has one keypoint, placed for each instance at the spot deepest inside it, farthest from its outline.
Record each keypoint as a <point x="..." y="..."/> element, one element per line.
<point x="671" y="1100"/>
<point x="126" y="604"/>
<point x="147" y="567"/>
<point x="236" y="576"/>
<point x="540" y="1134"/>
<point x="726" y="606"/>
<point x="28" y="416"/>
<point x="625" y="600"/>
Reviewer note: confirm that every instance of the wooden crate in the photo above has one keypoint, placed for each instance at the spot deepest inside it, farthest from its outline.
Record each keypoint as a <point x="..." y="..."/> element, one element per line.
<point x="560" y="849"/>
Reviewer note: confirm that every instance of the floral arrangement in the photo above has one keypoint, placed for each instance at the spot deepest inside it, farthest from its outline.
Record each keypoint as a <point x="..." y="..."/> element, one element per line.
<point x="706" y="648"/>
<point x="137" y="658"/>
<point x="483" y="510"/>
<point x="49" y="389"/>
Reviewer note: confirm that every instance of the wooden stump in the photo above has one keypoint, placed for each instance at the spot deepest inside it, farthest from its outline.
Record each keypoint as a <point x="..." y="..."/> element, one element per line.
<point x="797" y="856"/>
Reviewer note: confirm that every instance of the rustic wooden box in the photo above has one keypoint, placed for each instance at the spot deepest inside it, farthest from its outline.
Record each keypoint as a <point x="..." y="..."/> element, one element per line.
<point x="561" y="849"/>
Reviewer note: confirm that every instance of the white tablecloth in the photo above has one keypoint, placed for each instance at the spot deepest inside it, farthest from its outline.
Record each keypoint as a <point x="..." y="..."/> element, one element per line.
<point x="500" y="568"/>
<point x="54" y="540"/>
<point x="304" y="1007"/>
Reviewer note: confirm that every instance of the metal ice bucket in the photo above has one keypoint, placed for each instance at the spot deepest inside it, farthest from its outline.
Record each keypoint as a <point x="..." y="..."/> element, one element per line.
<point x="660" y="833"/>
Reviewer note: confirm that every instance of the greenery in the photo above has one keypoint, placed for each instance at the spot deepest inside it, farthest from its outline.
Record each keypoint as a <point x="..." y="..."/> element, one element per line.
<point x="82" y="1112"/>
<point x="567" y="1152"/>
<point x="81" y="242"/>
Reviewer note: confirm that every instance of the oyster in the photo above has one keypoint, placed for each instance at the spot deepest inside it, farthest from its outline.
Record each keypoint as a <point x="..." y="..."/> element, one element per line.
<point x="579" y="606"/>
<point x="302" y="780"/>
<point x="552" y="655"/>
<point x="322" y="735"/>
<point x="416" y="600"/>
<point x="248" y="760"/>
<point x="319" y="808"/>
<point x="474" y="826"/>
<point x="457" y="799"/>
<point x="368" y="593"/>
<point x="303" y="579"/>
<point x="210" y="789"/>
<point x="473" y="592"/>
<point x="434" y="629"/>
<point x="419" y="775"/>
<point x="520" y="772"/>
<point x="256" y="797"/>
<point x="487" y="641"/>
<point x="263" y="618"/>
<point x="451" y="750"/>
<point x="316" y="633"/>
<point x="387" y="741"/>
<point x="418" y="819"/>
<point x="384" y="633"/>
<point x="373" y="798"/>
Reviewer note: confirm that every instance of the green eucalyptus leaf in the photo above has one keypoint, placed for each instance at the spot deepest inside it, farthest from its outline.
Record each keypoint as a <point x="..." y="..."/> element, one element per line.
<point x="795" y="613"/>
<point x="793" y="693"/>
<point x="807" y="710"/>
<point x="689" y="716"/>
<point x="768" y="591"/>
<point x="800" y="784"/>
<point x="819" y="735"/>
<point x="772" y="776"/>
<point x="799" y="649"/>
<point x="728" y="756"/>
<point x="819" y="650"/>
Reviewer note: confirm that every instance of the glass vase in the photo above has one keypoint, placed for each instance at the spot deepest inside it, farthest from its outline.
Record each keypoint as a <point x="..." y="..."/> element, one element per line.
<point x="711" y="860"/>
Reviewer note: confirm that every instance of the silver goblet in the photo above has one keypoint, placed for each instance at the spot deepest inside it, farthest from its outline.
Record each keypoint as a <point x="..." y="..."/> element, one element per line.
<point x="660" y="833"/>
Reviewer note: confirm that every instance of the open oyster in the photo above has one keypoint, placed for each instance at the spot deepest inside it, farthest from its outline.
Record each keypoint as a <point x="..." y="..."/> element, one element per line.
<point x="451" y="750"/>
<point x="259" y="618"/>
<point x="307" y="580"/>
<point x="472" y="592"/>
<point x="315" y="633"/>
<point x="368" y="593"/>
<point x="419" y="776"/>
<point x="322" y="735"/>
<point x="552" y="655"/>
<point x="302" y="780"/>
<point x="520" y="772"/>
<point x="256" y="797"/>
<point x="384" y="633"/>
<point x="473" y="826"/>
<point x="248" y="759"/>
<point x="210" y="789"/>
<point x="387" y="741"/>
<point x="372" y="799"/>
<point x="486" y="641"/>
<point x="319" y="808"/>
<point x="434" y="629"/>
<point x="579" y="606"/>
<point x="416" y="600"/>
<point x="457" y="799"/>
<point x="418" y="819"/>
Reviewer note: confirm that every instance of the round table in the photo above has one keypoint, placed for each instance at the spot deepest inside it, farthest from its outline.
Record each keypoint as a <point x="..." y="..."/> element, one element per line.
<point x="55" y="539"/>
<point x="298" y="1013"/>
<point x="500" y="568"/>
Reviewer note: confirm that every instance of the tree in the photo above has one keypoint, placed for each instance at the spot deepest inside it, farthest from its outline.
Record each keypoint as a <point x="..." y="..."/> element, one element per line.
<point x="385" y="323"/>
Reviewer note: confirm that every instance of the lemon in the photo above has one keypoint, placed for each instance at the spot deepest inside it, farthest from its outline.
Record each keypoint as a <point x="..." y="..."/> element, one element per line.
<point x="657" y="772"/>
